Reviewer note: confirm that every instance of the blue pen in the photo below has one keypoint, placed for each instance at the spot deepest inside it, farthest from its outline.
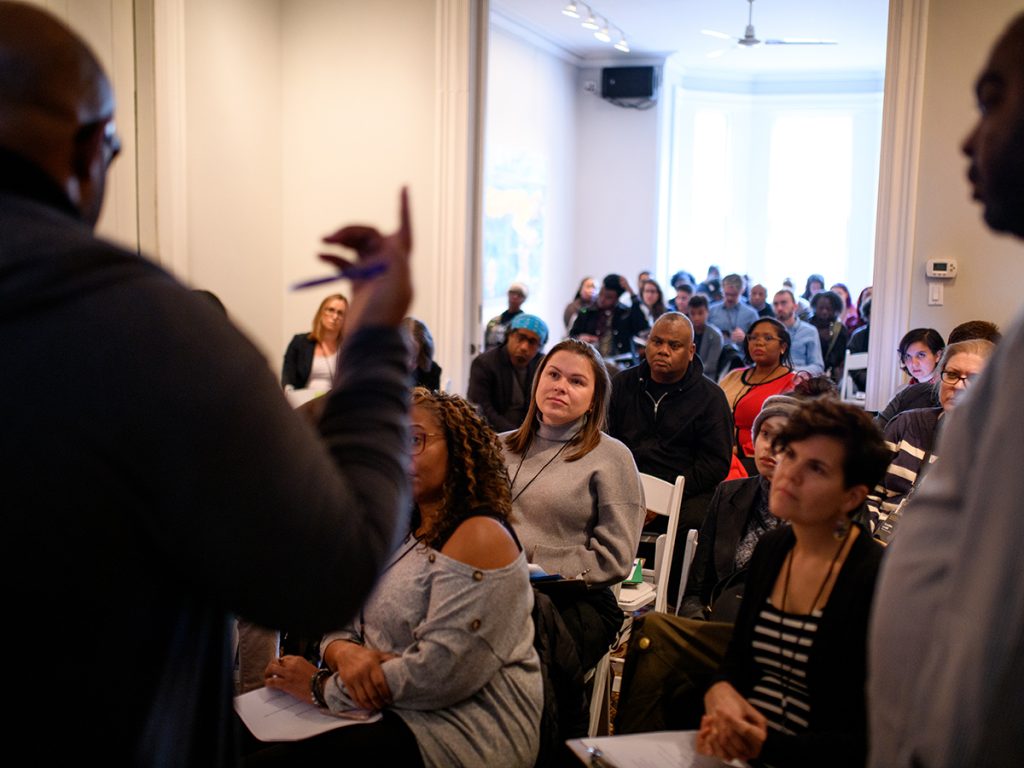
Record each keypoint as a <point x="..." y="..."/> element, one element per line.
<point x="356" y="272"/>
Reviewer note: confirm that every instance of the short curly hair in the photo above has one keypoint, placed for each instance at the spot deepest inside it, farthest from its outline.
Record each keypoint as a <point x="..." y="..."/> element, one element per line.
<point x="865" y="456"/>
<point x="477" y="478"/>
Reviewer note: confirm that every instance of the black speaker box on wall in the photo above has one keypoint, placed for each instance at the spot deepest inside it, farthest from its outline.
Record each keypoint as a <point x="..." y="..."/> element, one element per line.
<point x="627" y="83"/>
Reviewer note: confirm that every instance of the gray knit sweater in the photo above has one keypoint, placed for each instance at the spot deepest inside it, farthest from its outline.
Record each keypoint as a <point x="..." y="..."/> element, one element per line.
<point x="577" y="517"/>
<point x="467" y="679"/>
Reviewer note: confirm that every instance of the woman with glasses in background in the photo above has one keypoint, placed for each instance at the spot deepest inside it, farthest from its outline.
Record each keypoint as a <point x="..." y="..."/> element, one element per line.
<point x="911" y="435"/>
<point x="766" y="348"/>
<point x="311" y="361"/>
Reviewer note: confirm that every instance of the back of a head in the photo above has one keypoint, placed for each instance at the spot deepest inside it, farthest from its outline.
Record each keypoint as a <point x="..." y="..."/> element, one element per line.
<point x="975" y="329"/>
<point x="48" y="76"/>
<point x="56" y="105"/>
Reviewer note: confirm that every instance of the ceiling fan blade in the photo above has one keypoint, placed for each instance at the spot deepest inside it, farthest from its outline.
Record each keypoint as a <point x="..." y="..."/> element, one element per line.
<point x="715" y="33"/>
<point x="800" y="41"/>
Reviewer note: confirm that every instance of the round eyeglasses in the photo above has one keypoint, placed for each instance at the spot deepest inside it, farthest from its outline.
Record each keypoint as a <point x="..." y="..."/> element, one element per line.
<point x="418" y="441"/>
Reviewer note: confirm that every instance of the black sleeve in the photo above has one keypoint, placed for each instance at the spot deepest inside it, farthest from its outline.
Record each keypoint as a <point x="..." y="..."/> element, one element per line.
<point x="702" y="573"/>
<point x="249" y="505"/>
<point x="290" y="369"/>
<point x="481" y="394"/>
<point x="637" y="319"/>
<point x="894" y="407"/>
<point x="713" y="457"/>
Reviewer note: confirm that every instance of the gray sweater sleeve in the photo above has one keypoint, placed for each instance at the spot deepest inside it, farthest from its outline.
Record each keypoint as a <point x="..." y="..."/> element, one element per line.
<point x="472" y="628"/>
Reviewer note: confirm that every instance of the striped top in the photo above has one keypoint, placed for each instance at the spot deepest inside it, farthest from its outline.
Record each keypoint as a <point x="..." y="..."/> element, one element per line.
<point x="910" y="436"/>
<point x="781" y="647"/>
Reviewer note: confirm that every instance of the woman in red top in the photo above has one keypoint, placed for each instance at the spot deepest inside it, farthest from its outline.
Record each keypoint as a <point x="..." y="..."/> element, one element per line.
<point x="766" y="348"/>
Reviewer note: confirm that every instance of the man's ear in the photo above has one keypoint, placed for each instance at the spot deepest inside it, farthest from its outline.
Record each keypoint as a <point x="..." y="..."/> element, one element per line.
<point x="87" y="149"/>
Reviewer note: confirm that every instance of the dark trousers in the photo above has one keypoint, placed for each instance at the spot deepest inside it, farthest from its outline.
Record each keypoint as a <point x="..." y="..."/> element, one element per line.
<point x="669" y="666"/>
<point x="593" y="621"/>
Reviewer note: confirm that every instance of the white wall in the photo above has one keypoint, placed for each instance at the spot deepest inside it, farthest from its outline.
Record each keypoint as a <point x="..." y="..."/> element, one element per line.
<point x="358" y="114"/>
<point x="233" y="160"/>
<point x="530" y="122"/>
<point x="948" y="224"/>
<point x="618" y="161"/>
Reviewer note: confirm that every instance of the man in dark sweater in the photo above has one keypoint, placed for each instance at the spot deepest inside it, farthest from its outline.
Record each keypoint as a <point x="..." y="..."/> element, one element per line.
<point x="674" y="419"/>
<point x="154" y="477"/>
<point x="501" y="379"/>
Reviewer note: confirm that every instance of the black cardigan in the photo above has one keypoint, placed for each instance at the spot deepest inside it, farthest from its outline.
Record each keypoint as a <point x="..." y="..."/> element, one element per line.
<point x="837" y="668"/>
<point x="729" y="513"/>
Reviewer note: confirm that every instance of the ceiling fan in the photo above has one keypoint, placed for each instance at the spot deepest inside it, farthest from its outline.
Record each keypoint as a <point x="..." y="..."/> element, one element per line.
<point x="750" y="39"/>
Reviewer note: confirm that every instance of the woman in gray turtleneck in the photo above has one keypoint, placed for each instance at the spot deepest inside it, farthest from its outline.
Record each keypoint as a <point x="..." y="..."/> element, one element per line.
<point x="576" y="498"/>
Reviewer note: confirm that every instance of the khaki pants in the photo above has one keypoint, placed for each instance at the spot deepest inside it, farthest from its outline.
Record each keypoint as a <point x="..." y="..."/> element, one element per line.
<point x="669" y="665"/>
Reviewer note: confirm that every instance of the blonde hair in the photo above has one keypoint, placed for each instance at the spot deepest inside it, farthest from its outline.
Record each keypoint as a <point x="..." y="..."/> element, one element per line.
<point x="317" y="334"/>
<point x="587" y="438"/>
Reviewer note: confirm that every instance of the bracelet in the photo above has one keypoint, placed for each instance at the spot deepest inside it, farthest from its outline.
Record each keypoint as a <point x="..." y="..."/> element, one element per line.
<point x="316" y="686"/>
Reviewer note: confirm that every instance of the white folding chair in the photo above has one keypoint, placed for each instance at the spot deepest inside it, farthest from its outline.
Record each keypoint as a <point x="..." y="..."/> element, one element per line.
<point x="855" y="361"/>
<point x="664" y="499"/>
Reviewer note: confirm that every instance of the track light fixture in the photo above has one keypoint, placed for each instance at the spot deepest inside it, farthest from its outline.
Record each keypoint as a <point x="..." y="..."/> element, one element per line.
<point x="602" y="32"/>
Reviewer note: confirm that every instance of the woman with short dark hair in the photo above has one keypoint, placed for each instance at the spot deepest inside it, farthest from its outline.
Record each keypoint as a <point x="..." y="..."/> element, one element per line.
<point x="791" y="689"/>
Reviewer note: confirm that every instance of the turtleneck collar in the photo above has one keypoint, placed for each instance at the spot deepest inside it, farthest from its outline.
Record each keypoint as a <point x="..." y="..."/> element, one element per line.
<point x="559" y="434"/>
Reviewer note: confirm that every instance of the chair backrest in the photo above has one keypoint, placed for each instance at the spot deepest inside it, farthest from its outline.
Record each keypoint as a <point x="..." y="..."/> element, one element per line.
<point x="664" y="499"/>
<point x="689" y="550"/>
<point x="855" y="361"/>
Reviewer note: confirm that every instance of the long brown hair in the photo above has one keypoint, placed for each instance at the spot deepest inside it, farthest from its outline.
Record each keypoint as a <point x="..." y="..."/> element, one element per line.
<point x="589" y="435"/>
<point x="477" y="477"/>
<point x="317" y="334"/>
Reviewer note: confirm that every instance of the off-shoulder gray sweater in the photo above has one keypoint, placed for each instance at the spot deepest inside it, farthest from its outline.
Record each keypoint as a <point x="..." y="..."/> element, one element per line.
<point x="467" y="680"/>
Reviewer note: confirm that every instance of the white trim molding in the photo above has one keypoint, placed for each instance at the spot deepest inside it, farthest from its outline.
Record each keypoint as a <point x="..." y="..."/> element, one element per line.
<point x="460" y="64"/>
<point x="171" y="159"/>
<point x="897" y="194"/>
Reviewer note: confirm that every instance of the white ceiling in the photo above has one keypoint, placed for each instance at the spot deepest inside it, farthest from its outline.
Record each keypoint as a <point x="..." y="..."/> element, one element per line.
<point x="656" y="28"/>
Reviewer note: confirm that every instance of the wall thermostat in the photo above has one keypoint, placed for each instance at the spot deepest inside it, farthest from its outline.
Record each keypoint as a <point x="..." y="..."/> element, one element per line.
<point x="941" y="268"/>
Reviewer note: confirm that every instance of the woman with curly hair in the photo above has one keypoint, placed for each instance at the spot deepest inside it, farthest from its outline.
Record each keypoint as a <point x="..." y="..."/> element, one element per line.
<point x="444" y="647"/>
<point x="576" y="491"/>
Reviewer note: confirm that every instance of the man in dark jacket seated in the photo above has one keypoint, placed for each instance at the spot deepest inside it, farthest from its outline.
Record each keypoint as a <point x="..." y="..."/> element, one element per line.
<point x="674" y="420"/>
<point x="500" y="379"/>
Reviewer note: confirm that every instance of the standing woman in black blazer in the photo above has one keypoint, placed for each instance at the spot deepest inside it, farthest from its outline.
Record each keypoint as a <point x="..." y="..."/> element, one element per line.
<point x="790" y="691"/>
<point x="311" y="361"/>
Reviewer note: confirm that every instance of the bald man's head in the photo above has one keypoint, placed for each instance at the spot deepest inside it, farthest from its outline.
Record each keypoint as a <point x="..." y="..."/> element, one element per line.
<point x="670" y="349"/>
<point x="56" y="104"/>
